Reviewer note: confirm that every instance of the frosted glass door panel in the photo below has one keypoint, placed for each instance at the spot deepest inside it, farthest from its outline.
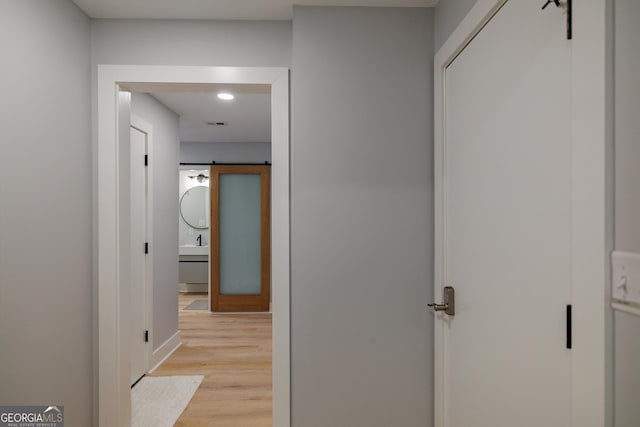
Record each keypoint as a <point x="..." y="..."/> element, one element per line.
<point x="240" y="238"/>
<point x="240" y="234"/>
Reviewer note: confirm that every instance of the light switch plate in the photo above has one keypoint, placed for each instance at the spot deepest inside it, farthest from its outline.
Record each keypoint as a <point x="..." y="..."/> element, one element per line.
<point x="625" y="285"/>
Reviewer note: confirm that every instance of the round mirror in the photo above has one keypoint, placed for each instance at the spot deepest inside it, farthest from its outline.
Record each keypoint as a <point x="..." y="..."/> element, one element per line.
<point x="194" y="207"/>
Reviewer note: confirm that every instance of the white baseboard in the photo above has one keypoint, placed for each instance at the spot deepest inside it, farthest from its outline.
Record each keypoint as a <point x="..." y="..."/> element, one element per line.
<point x="165" y="350"/>
<point x="193" y="287"/>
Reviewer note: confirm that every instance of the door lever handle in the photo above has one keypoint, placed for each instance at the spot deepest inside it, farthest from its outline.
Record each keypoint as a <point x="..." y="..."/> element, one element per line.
<point x="449" y="305"/>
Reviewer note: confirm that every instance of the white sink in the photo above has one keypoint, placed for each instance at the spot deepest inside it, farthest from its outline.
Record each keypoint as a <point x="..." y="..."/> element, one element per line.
<point x="193" y="250"/>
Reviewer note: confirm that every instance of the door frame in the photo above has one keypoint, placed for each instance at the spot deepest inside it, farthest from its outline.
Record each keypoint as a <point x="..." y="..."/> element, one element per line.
<point x="114" y="405"/>
<point x="591" y="218"/>
<point x="146" y="128"/>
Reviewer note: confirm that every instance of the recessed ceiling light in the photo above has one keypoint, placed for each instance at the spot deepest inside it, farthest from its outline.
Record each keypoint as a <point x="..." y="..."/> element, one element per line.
<point x="225" y="96"/>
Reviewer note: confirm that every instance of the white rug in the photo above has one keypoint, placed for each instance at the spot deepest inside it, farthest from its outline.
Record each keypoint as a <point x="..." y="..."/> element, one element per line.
<point x="159" y="401"/>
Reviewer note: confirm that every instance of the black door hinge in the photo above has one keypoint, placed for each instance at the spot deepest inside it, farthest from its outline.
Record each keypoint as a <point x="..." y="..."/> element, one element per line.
<point x="569" y="20"/>
<point x="569" y="328"/>
<point x="146" y="336"/>
<point x="146" y="160"/>
<point x="146" y="247"/>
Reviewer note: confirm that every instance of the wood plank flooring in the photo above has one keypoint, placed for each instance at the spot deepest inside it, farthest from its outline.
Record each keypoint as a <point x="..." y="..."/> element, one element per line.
<point x="233" y="352"/>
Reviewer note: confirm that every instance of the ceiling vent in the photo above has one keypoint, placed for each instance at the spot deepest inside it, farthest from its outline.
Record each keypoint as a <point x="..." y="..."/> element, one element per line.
<point x="216" y="123"/>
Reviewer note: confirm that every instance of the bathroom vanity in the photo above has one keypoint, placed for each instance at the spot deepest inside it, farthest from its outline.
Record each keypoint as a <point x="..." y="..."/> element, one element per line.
<point x="194" y="268"/>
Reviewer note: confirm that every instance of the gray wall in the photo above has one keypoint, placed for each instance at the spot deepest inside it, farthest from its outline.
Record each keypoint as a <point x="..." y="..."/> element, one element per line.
<point x="184" y="42"/>
<point x="362" y="217"/>
<point x="164" y="156"/>
<point x="449" y="13"/>
<point x="627" y="201"/>
<point x="45" y="218"/>
<point x="204" y="152"/>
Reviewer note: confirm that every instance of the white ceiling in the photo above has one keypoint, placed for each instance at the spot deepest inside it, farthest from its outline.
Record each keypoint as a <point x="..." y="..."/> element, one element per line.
<point x="221" y="9"/>
<point x="247" y="118"/>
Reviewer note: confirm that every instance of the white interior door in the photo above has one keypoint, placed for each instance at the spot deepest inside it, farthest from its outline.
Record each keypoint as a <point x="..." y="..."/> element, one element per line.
<point x="138" y="256"/>
<point x="505" y="208"/>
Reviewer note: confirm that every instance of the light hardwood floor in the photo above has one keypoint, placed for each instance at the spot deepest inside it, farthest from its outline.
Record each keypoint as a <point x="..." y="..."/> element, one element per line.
<point x="233" y="352"/>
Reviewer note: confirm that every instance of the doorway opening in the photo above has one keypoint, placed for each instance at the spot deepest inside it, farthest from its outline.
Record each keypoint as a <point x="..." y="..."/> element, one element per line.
<point x="113" y="207"/>
<point x="224" y="224"/>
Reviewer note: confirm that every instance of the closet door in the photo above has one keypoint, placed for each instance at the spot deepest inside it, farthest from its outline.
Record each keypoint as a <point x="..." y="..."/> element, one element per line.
<point x="504" y="226"/>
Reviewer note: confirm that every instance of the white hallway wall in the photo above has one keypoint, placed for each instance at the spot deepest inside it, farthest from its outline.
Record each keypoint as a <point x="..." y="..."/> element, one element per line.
<point x="184" y="42"/>
<point x="362" y="240"/>
<point x="164" y="248"/>
<point x="45" y="213"/>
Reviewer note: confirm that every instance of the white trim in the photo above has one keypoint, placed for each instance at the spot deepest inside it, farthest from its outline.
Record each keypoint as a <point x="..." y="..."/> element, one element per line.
<point x="590" y="228"/>
<point x="590" y="223"/>
<point x="113" y="392"/>
<point x="280" y="250"/>
<point x="146" y="128"/>
<point x="626" y="308"/>
<point x="165" y="350"/>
